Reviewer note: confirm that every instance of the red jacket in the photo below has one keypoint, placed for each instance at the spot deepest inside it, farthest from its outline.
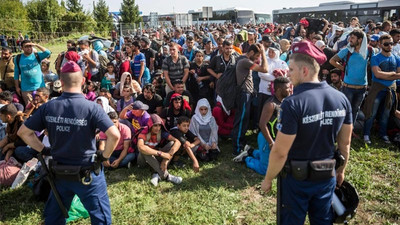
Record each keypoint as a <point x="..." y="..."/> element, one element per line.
<point x="225" y="122"/>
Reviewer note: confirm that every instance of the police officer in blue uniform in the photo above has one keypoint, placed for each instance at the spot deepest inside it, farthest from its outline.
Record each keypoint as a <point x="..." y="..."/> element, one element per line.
<point x="71" y="122"/>
<point x="309" y="124"/>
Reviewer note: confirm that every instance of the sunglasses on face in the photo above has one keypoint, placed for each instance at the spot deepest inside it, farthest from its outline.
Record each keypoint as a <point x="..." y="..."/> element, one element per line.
<point x="388" y="43"/>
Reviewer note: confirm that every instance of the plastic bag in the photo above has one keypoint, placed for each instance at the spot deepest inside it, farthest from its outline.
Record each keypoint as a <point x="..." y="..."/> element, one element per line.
<point x="24" y="173"/>
<point x="77" y="210"/>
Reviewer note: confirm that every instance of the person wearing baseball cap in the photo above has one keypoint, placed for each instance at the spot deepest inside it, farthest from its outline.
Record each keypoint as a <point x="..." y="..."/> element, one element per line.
<point x="136" y="114"/>
<point x="310" y="122"/>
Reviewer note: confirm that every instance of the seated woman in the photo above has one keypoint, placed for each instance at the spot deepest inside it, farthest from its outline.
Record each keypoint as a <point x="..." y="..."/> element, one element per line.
<point x="123" y="154"/>
<point x="224" y="118"/>
<point x="203" y="125"/>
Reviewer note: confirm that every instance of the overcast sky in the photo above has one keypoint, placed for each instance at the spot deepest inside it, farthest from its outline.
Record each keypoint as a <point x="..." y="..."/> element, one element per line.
<point x="183" y="6"/>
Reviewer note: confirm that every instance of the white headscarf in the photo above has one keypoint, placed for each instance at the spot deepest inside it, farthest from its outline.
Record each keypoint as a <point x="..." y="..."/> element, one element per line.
<point x="106" y="106"/>
<point x="219" y="99"/>
<point x="203" y="120"/>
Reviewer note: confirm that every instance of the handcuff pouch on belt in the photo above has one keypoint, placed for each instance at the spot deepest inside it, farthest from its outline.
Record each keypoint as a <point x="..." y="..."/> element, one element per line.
<point x="311" y="170"/>
<point x="73" y="172"/>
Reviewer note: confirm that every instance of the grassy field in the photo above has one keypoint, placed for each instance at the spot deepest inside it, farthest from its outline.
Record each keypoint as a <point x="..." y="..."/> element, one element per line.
<point x="223" y="192"/>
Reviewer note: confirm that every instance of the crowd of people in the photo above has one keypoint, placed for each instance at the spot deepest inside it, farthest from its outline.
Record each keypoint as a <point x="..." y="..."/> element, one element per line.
<point x="160" y="88"/>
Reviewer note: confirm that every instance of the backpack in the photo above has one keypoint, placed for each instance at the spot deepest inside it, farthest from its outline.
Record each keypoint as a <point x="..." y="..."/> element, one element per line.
<point x="369" y="73"/>
<point x="19" y="59"/>
<point x="227" y="87"/>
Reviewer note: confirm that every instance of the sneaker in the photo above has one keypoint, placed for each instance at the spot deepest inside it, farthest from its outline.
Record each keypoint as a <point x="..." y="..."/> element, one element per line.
<point x="241" y="156"/>
<point x="367" y="140"/>
<point x="129" y="165"/>
<point x="154" y="179"/>
<point x="386" y="139"/>
<point x="174" y="179"/>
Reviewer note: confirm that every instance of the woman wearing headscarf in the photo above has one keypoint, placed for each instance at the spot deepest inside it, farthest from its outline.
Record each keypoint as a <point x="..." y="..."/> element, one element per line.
<point x="103" y="101"/>
<point x="289" y="33"/>
<point x="276" y="67"/>
<point x="204" y="126"/>
<point x="126" y="79"/>
<point x="224" y="118"/>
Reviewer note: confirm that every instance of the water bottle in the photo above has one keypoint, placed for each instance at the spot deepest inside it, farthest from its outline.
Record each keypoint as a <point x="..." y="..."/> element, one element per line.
<point x="199" y="83"/>
<point x="337" y="205"/>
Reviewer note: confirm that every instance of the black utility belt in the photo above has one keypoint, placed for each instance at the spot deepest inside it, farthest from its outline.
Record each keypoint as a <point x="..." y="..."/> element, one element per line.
<point x="73" y="172"/>
<point x="311" y="170"/>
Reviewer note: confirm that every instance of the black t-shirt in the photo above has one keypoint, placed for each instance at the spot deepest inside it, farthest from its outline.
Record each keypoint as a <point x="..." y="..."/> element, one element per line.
<point x="182" y="137"/>
<point x="148" y="53"/>
<point x="171" y="118"/>
<point x="155" y="102"/>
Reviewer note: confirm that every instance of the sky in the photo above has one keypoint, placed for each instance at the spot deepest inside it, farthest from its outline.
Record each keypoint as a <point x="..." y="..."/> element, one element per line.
<point x="183" y="6"/>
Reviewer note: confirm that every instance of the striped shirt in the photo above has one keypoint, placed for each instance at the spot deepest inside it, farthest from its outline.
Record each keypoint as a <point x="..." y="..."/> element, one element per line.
<point x="175" y="70"/>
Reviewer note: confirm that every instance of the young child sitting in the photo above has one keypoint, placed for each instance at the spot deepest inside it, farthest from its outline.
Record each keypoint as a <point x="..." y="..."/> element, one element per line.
<point x="204" y="126"/>
<point x="127" y="98"/>
<point x="90" y="90"/>
<point x="108" y="80"/>
<point x="189" y="141"/>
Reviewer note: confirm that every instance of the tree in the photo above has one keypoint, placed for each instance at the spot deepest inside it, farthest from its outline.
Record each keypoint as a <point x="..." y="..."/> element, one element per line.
<point x="102" y="17"/>
<point x="46" y="15"/>
<point x="13" y="17"/>
<point x="130" y="12"/>
<point x="74" y="6"/>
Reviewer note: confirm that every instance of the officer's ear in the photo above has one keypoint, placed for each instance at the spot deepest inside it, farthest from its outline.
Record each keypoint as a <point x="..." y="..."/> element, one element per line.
<point x="83" y="80"/>
<point x="304" y="71"/>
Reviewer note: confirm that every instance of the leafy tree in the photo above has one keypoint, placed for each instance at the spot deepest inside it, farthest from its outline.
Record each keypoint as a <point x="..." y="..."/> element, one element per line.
<point x="130" y="12"/>
<point x="78" y="22"/>
<point x="74" y="6"/>
<point x="102" y="17"/>
<point x="46" y="15"/>
<point x="13" y="17"/>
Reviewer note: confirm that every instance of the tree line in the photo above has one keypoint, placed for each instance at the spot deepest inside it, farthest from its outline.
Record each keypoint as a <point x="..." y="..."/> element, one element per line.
<point x="54" y="18"/>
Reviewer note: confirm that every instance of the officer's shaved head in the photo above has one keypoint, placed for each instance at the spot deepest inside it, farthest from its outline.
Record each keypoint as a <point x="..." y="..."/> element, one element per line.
<point x="307" y="61"/>
<point x="71" y="75"/>
<point x="71" y="80"/>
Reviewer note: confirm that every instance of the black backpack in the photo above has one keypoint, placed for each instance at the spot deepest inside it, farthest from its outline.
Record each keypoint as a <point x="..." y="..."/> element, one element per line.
<point x="19" y="59"/>
<point x="227" y="87"/>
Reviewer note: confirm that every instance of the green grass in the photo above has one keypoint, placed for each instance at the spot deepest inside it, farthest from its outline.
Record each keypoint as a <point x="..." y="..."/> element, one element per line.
<point x="223" y="193"/>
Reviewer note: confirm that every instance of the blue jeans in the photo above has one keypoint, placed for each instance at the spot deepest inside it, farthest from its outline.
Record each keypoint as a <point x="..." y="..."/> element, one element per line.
<point x="300" y="197"/>
<point x="356" y="97"/>
<point x="25" y="153"/>
<point x="379" y="105"/>
<point x="128" y="158"/>
<point x="93" y="196"/>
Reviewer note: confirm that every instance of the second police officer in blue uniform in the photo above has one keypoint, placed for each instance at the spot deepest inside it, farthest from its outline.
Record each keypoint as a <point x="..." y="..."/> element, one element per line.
<point x="71" y="122"/>
<point x="310" y="122"/>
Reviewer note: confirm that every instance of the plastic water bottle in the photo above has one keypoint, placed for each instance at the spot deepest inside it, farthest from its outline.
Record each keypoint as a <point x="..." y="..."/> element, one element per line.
<point x="200" y="83"/>
<point x="337" y="205"/>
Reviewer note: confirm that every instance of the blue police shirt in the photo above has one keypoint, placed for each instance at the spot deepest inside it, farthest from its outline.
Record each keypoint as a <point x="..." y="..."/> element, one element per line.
<point x="315" y="113"/>
<point x="356" y="69"/>
<point x="386" y="64"/>
<point x="71" y="122"/>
